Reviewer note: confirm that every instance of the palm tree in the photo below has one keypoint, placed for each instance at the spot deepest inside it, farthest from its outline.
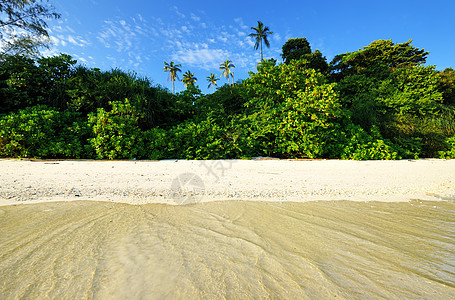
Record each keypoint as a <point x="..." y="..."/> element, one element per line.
<point x="261" y="34"/>
<point x="212" y="80"/>
<point x="189" y="79"/>
<point x="226" y="68"/>
<point x="172" y="69"/>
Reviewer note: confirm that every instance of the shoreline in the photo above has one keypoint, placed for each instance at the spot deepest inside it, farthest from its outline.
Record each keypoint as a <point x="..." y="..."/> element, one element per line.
<point x="188" y="181"/>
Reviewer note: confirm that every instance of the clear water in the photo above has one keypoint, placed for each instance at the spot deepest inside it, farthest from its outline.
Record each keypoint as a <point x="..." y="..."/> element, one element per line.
<point x="232" y="249"/>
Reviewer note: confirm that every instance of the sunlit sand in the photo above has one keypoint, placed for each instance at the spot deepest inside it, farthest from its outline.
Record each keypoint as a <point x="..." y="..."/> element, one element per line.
<point x="132" y="245"/>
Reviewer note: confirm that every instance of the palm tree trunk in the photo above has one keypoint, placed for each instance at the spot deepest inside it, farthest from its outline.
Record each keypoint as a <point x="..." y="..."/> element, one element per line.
<point x="262" y="57"/>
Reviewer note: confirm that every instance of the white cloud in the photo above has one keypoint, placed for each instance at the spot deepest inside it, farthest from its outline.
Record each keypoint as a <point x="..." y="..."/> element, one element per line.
<point x="70" y="29"/>
<point x="76" y="41"/>
<point x="55" y="40"/>
<point x="72" y="40"/>
<point x="195" y="18"/>
<point x="203" y="58"/>
<point x="185" y="29"/>
<point x="276" y="37"/>
<point x="239" y="21"/>
<point x="250" y="42"/>
<point x="224" y="36"/>
<point x="121" y="34"/>
<point x="49" y="52"/>
<point x="81" y="59"/>
<point x="177" y="12"/>
<point x="172" y="33"/>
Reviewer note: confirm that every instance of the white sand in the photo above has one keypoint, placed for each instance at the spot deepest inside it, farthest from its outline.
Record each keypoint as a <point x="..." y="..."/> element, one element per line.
<point x="180" y="181"/>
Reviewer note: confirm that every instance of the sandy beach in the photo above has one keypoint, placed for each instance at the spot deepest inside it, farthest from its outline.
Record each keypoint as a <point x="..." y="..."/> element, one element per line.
<point x="181" y="182"/>
<point x="251" y="229"/>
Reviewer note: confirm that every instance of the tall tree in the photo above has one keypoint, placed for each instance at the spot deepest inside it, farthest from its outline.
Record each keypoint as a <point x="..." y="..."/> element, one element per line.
<point x="23" y="27"/>
<point x="380" y="54"/>
<point x="173" y="69"/>
<point x="295" y="49"/>
<point x="261" y="33"/>
<point x="226" y="67"/>
<point x="447" y="85"/>
<point x="212" y="79"/>
<point x="189" y="79"/>
<point x="299" y="49"/>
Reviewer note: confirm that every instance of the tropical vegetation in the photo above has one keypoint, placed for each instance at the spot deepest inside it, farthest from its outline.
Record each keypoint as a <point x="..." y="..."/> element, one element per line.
<point x="212" y="79"/>
<point x="189" y="80"/>
<point x="173" y="70"/>
<point x="226" y="68"/>
<point x="380" y="102"/>
<point x="261" y="34"/>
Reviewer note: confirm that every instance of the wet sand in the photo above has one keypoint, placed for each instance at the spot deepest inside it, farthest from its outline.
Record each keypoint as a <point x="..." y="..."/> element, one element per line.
<point x="230" y="249"/>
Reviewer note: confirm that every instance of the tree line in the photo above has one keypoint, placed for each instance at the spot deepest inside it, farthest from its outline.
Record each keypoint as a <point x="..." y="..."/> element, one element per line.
<point x="380" y="102"/>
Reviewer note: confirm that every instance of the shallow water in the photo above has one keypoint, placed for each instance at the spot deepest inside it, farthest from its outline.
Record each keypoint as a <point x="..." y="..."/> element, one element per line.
<point x="233" y="249"/>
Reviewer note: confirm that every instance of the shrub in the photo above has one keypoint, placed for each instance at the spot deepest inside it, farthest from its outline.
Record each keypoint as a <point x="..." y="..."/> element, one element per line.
<point x="116" y="132"/>
<point x="42" y="132"/>
<point x="450" y="152"/>
<point x="203" y="140"/>
<point x="291" y="110"/>
<point x="361" y="145"/>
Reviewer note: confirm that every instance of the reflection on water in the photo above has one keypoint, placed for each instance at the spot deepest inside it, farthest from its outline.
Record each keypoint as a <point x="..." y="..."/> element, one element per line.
<point x="234" y="249"/>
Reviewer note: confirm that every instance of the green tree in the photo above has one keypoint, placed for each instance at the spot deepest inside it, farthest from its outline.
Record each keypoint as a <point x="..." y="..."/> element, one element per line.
<point x="380" y="55"/>
<point x="23" y="27"/>
<point x="40" y="131"/>
<point x="226" y="67"/>
<point x="212" y="79"/>
<point x="26" y="81"/>
<point x="299" y="48"/>
<point x="117" y="134"/>
<point x="291" y="110"/>
<point x="295" y="49"/>
<point x="173" y="69"/>
<point x="447" y="85"/>
<point x="189" y="79"/>
<point x="261" y="34"/>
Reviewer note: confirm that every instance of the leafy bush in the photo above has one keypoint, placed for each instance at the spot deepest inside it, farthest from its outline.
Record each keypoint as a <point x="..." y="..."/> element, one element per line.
<point x="361" y="145"/>
<point x="291" y="110"/>
<point x="413" y="90"/>
<point x="228" y="100"/>
<point x="40" y="131"/>
<point x="450" y="153"/>
<point x="203" y="140"/>
<point x="425" y="135"/>
<point x="116" y="132"/>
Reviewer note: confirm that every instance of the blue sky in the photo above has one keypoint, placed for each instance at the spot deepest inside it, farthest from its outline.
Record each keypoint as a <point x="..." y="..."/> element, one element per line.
<point x="139" y="35"/>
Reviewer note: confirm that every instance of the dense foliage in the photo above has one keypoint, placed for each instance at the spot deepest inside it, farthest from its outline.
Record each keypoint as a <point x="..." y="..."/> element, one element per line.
<point x="380" y="102"/>
<point x="300" y="49"/>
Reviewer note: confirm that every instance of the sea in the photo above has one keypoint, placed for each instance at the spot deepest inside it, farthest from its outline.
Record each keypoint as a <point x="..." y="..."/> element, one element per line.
<point x="228" y="250"/>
